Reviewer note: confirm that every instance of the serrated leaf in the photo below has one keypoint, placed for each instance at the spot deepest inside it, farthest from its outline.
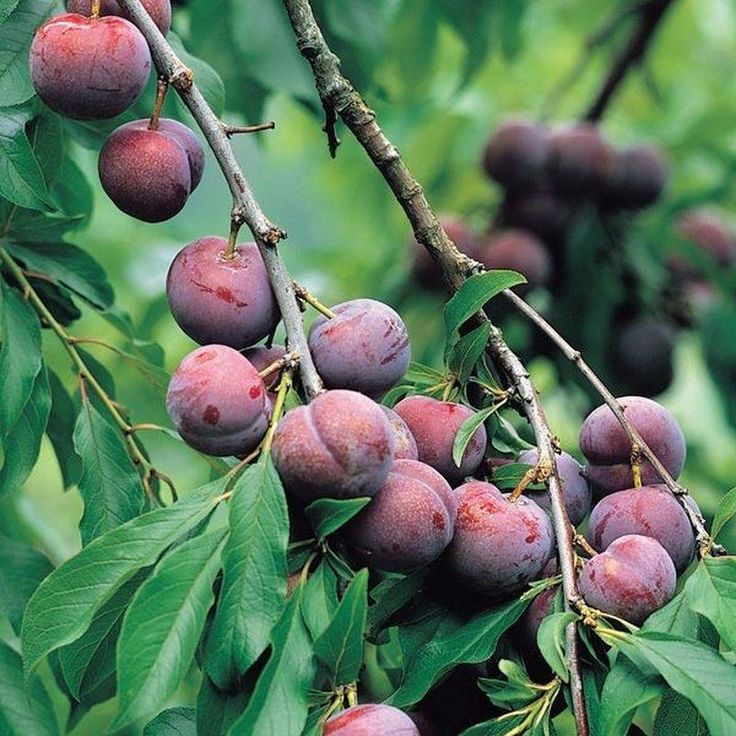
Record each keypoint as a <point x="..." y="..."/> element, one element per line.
<point x="216" y="710"/>
<point x="23" y="713"/>
<point x="19" y="23"/>
<point x="254" y="582"/>
<point x="711" y="591"/>
<point x="23" y="444"/>
<point x="724" y="513"/>
<point x="64" y="605"/>
<point x="677" y="716"/>
<point x="454" y="642"/>
<point x="474" y="294"/>
<point x="280" y="700"/>
<point x="89" y="662"/>
<point x="110" y="485"/>
<point x="551" y="641"/>
<point x="341" y="645"/>
<point x="466" y="352"/>
<point x="60" y="429"/>
<point x="21" y="572"/>
<point x="67" y="265"/>
<point x="690" y="668"/>
<point x="21" y="179"/>
<point x="467" y="429"/>
<point x="163" y="624"/>
<point x="327" y="515"/>
<point x="20" y="355"/>
<point x="173" y="722"/>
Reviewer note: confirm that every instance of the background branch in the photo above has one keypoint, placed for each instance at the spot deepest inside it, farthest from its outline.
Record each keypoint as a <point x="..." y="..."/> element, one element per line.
<point x="340" y="98"/>
<point x="650" y="16"/>
<point x="246" y="209"/>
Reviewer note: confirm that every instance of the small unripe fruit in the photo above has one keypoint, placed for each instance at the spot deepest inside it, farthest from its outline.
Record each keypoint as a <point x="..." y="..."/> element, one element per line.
<point x="364" y="347"/>
<point x="499" y="546"/>
<point x="89" y="68"/>
<point x="339" y="446"/>
<point x="405" y="446"/>
<point x="637" y="178"/>
<point x="217" y="402"/>
<point x="222" y="300"/>
<point x="608" y="448"/>
<point x="519" y="251"/>
<point x="371" y="720"/>
<point x="516" y="154"/>
<point x="159" y="10"/>
<point x="633" y="578"/>
<point x="575" y="488"/>
<point x="650" y="511"/>
<point x="145" y="172"/>
<point x="408" y="523"/>
<point x="434" y="425"/>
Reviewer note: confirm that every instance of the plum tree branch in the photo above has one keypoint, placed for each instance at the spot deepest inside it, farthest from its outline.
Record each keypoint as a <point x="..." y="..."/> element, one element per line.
<point x="650" y="16"/>
<point x="339" y="98"/>
<point x="246" y="209"/>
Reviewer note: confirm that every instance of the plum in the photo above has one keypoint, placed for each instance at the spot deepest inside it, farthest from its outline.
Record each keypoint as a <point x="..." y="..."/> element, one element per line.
<point x="520" y="251"/>
<point x="147" y="173"/>
<point x="434" y="425"/>
<point x="371" y="719"/>
<point x="405" y="446"/>
<point x="408" y="523"/>
<point x="608" y="449"/>
<point x="649" y="511"/>
<point x="217" y="402"/>
<point x="159" y="10"/>
<point x="708" y="232"/>
<point x="516" y="154"/>
<point x="263" y="357"/>
<point x="633" y="578"/>
<point x="364" y="347"/>
<point x="575" y="488"/>
<point x="339" y="446"/>
<point x="89" y="68"/>
<point x="215" y="299"/>
<point x="643" y="355"/>
<point x="637" y="178"/>
<point x="539" y="211"/>
<point x="188" y="140"/>
<point x="499" y="546"/>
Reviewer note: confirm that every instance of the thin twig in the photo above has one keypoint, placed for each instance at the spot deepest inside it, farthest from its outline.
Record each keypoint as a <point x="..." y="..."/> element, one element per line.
<point x="650" y="16"/>
<point x="231" y="130"/>
<point x="246" y="209"/>
<point x="339" y="97"/>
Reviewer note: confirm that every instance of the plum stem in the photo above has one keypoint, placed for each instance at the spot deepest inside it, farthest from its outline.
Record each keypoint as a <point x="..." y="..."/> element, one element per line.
<point x="246" y="209"/>
<point x="231" y="130"/>
<point x="290" y="360"/>
<point x="162" y="87"/>
<point x="278" y="408"/>
<point x="95" y="12"/>
<point x="306" y="296"/>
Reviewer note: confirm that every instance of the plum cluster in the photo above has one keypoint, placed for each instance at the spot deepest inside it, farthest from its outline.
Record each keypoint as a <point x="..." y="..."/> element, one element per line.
<point x="95" y="67"/>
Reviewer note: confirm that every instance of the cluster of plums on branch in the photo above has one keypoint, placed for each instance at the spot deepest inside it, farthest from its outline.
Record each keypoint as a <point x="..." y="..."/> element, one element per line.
<point x="93" y="68"/>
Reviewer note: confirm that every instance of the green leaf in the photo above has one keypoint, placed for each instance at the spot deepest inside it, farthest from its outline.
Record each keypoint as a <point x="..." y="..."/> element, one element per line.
<point x="690" y="668"/>
<point x="216" y="710"/>
<point x="68" y="265"/>
<point x="320" y="599"/>
<point x="455" y="642"/>
<point x="327" y="515"/>
<point x="60" y="429"/>
<point x="19" y="23"/>
<point x="23" y="443"/>
<point x="466" y="352"/>
<point x="724" y="513"/>
<point x="110" y="485"/>
<point x="163" y="624"/>
<point x="280" y="700"/>
<point x="23" y="713"/>
<point x="21" y="179"/>
<point x="254" y="581"/>
<point x="173" y="722"/>
<point x="89" y="662"/>
<point x="711" y="591"/>
<point x="341" y="646"/>
<point x="476" y="292"/>
<point x="391" y="595"/>
<point x="551" y="641"/>
<point x="21" y="572"/>
<point x="467" y="429"/>
<point x="677" y="716"/>
<point x="64" y="605"/>
<point x="20" y="355"/>
<point x="494" y="727"/>
<point x="508" y="476"/>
